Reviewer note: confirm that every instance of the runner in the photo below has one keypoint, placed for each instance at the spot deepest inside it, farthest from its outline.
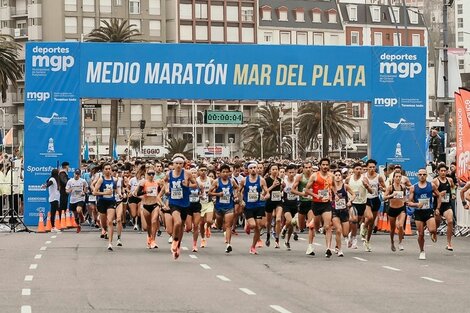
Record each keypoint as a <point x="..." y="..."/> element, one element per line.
<point x="290" y="202"/>
<point x="421" y="197"/>
<point x="377" y="184"/>
<point x="149" y="190"/>
<point x="395" y="193"/>
<point x="194" y="213"/>
<point x="119" y="203"/>
<point x="134" y="200"/>
<point x="105" y="189"/>
<point x="273" y="207"/>
<point x="207" y="206"/>
<point x="320" y="187"/>
<point x="238" y="212"/>
<point x="445" y="186"/>
<point x="224" y="189"/>
<point x="464" y="196"/>
<point x="253" y="189"/>
<point x="77" y="188"/>
<point x="341" y="209"/>
<point x="52" y="186"/>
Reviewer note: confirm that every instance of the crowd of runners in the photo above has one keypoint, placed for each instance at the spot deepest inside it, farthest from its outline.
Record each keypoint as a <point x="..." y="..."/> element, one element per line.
<point x="278" y="200"/>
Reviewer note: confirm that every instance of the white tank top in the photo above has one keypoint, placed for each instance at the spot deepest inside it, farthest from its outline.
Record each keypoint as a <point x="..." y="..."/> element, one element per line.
<point x="359" y="190"/>
<point x="374" y="184"/>
<point x="288" y="190"/>
<point x="207" y="186"/>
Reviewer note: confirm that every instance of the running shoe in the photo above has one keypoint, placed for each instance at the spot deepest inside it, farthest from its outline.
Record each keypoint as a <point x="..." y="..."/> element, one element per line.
<point x="400" y="247"/>
<point x="393" y="248"/>
<point x="287" y="245"/>
<point x="434" y="237"/>
<point x="247" y="228"/>
<point x="296" y="237"/>
<point x="170" y="240"/>
<point x="328" y="253"/>
<point x="174" y="245"/>
<point x="79" y="228"/>
<point x="228" y="249"/>
<point x="253" y="250"/>
<point x="363" y="231"/>
<point x="110" y="247"/>
<point x="194" y="246"/>
<point x="367" y="246"/>
<point x="208" y="232"/>
<point x="153" y="245"/>
<point x="103" y="233"/>
<point x="354" y="244"/>
<point x="106" y="236"/>
<point x="283" y="232"/>
<point x="422" y="256"/>
<point x="340" y="253"/>
<point x="136" y="228"/>
<point x="56" y="230"/>
<point x="259" y="244"/>
<point x="336" y="250"/>
<point x="203" y="243"/>
<point x="268" y="241"/>
<point x="148" y="242"/>
<point x="159" y="233"/>
<point x="449" y="248"/>
<point x="310" y="250"/>
<point x="119" y="243"/>
<point x="277" y="243"/>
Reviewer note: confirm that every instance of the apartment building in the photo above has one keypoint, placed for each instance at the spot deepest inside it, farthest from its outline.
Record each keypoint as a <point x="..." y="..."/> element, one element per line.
<point x="462" y="38"/>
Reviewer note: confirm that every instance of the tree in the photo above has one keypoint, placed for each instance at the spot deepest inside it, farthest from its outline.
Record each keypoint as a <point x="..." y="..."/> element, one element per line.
<point x="10" y="70"/>
<point x="116" y="30"/>
<point x="337" y="124"/>
<point x="267" y="118"/>
<point x="178" y="145"/>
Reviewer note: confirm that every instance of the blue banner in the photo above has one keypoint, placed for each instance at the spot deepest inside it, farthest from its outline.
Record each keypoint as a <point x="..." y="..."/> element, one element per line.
<point x="52" y="119"/>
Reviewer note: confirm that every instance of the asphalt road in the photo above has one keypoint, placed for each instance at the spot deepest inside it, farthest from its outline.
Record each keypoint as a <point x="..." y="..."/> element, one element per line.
<point x="71" y="272"/>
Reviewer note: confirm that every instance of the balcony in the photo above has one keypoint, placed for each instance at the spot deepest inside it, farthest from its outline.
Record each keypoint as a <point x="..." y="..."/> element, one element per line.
<point x="19" y="13"/>
<point x="17" y="98"/>
<point x="21" y="33"/>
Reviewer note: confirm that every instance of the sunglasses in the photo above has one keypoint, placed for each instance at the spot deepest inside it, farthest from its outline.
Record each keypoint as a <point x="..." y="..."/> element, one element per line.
<point x="151" y="173"/>
<point x="422" y="174"/>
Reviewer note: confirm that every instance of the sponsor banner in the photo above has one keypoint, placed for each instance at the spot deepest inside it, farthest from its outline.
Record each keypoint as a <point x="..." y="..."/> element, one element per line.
<point x="211" y="151"/>
<point x="398" y="108"/>
<point x="52" y="113"/>
<point x="462" y="112"/>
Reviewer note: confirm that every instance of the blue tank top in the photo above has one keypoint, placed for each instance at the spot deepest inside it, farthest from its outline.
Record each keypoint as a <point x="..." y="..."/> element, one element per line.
<point x="342" y="201"/>
<point x="108" y="184"/>
<point x="252" y="194"/>
<point x="424" y="195"/>
<point x="194" y="195"/>
<point x="179" y="194"/>
<point x="226" y="201"/>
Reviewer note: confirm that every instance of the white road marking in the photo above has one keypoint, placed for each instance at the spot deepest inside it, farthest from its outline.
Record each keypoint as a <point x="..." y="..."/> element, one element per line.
<point x="184" y="248"/>
<point x="48" y="242"/>
<point x="223" y="278"/>
<point x="279" y="308"/>
<point x="317" y="244"/>
<point x="432" y="279"/>
<point x="302" y="239"/>
<point x="43" y="248"/>
<point x="28" y="278"/>
<point x="360" y="259"/>
<point x="205" y="266"/>
<point x="392" y="268"/>
<point x="38" y="256"/>
<point x="33" y="266"/>
<point x="25" y="292"/>
<point x="25" y="309"/>
<point x="192" y="256"/>
<point x="53" y="237"/>
<point x="247" y="291"/>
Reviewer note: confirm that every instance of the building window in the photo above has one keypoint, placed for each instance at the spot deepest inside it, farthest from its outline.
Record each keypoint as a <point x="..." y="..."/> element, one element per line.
<point x="88" y="5"/>
<point x="155" y="28"/>
<point x="118" y="3"/>
<point x="395" y="15"/>
<point x="283" y="14"/>
<point x="318" y="39"/>
<point x="460" y="36"/>
<point x="201" y="32"/>
<point x="136" y="112"/>
<point x="352" y="12"/>
<point x="134" y="6"/>
<point x="232" y="13"/>
<point x="156" y="113"/>
<point x="356" y="137"/>
<point x="217" y="33"/>
<point x="217" y="13"/>
<point x="266" y="14"/>
<point x="88" y="25"/>
<point x="354" y="38"/>
<point x="334" y="40"/>
<point x="414" y="17"/>
<point x="316" y="16"/>
<point x="299" y="15"/>
<point x="219" y="138"/>
<point x="70" y="25"/>
<point x="378" y="39"/>
<point x="268" y="37"/>
<point x="186" y="32"/>
<point x="461" y="64"/>
<point x="105" y="6"/>
<point x="105" y="112"/>
<point x="247" y="14"/>
<point x="416" y="40"/>
<point x="302" y="38"/>
<point x="285" y="38"/>
<point x="89" y="115"/>
<point x="356" y="110"/>
<point x="375" y="11"/>
<point x="396" y="39"/>
<point x="200" y="11"/>
<point x="332" y="17"/>
<point x="232" y="34"/>
<point x="137" y="25"/>
<point x="460" y="22"/>
<point x="459" y="8"/>
<point x="248" y="35"/>
<point x="70" y="5"/>
<point x="186" y="11"/>
<point x="154" y="7"/>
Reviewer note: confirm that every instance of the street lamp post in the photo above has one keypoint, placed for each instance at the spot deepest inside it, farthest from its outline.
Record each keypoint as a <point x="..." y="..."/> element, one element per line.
<point x="261" y="131"/>
<point x="3" y="128"/>
<point x="297" y="129"/>
<point x="231" y="142"/>
<point x="320" y="140"/>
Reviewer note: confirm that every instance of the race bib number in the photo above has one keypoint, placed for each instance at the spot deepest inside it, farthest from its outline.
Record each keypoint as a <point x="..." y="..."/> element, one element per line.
<point x="276" y="196"/>
<point x="152" y="191"/>
<point x="177" y="193"/>
<point x="252" y="196"/>
<point x="225" y="199"/>
<point x="108" y="188"/>
<point x="446" y="197"/>
<point x="291" y="197"/>
<point x="91" y="198"/>
<point x="426" y="203"/>
<point x="77" y="193"/>
<point x="399" y="195"/>
<point x="340" y="204"/>
<point x="323" y="193"/>
<point x="193" y="198"/>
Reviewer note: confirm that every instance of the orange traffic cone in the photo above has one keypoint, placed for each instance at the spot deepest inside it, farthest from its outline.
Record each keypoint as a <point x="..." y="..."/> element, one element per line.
<point x="41" y="228"/>
<point x="408" y="231"/>
<point x="63" y="221"/>
<point x="68" y="220"/>
<point x="48" y="223"/>
<point x="57" y="220"/>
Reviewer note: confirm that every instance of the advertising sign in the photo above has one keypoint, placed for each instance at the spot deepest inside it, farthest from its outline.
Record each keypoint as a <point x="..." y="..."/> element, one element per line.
<point x="462" y="114"/>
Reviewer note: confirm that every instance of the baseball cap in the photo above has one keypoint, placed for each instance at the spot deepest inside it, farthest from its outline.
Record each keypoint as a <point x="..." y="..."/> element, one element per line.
<point x="78" y="172"/>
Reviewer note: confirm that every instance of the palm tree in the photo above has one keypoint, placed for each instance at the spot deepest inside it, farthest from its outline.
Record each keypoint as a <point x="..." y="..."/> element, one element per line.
<point x="178" y="145"/>
<point x="337" y="124"/>
<point x="116" y="30"/>
<point x="10" y="70"/>
<point x="267" y="118"/>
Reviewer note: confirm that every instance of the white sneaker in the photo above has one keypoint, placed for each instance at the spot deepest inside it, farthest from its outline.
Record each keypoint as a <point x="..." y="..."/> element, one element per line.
<point x="110" y="247"/>
<point x="354" y="244"/>
<point x="170" y="240"/>
<point x="400" y="247"/>
<point x="55" y="230"/>
<point x="310" y="250"/>
<point x="422" y="255"/>
<point x="119" y="243"/>
<point x="363" y="231"/>
<point x="136" y="227"/>
<point x="340" y="253"/>
<point x="367" y="246"/>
